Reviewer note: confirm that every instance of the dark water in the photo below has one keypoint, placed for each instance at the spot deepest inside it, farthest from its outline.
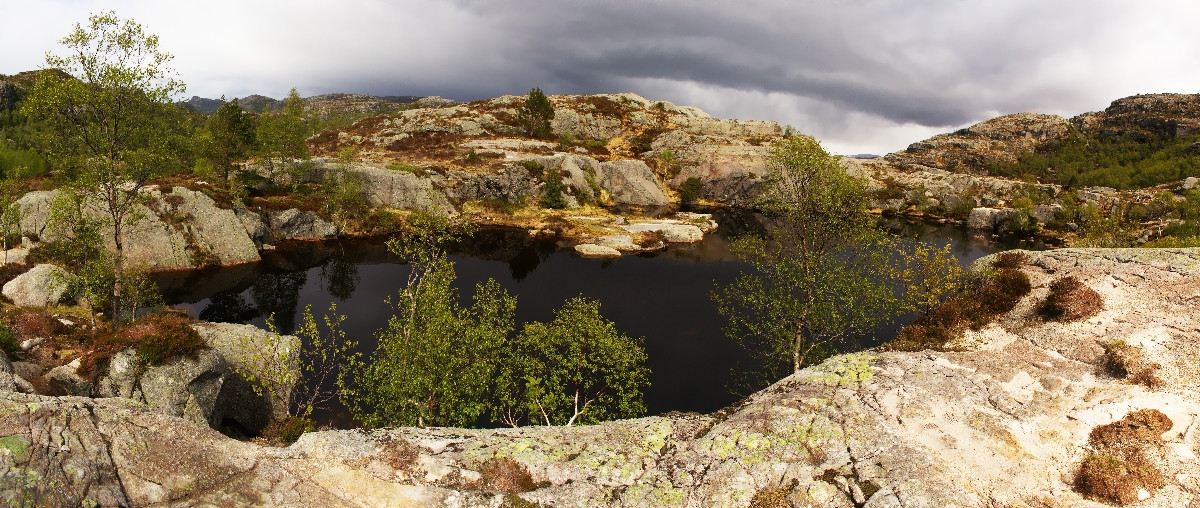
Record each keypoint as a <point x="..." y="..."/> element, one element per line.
<point x="663" y="297"/>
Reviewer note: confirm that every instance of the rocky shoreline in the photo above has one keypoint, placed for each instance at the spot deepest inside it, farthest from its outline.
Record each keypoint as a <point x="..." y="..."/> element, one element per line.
<point x="1002" y="422"/>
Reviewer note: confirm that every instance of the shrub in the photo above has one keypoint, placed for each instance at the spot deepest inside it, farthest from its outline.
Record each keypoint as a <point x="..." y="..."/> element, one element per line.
<point x="1070" y="300"/>
<point x="503" y="474"/>
<point x="535" y="115"/>
<point x="416" y="170"/>
<point x="8" y="341"/>
<point x="552" y="194"/>
<point x="286" y="431"/>
<point x="1001" y="292"/>
<point x="1117" y="465"/>
<point x="1010" y="259"/>
<point x="976" y="306"/>
<point x="165" y="336"/>
<point x="691" y="189"/>
<point x="1125" y="361"/>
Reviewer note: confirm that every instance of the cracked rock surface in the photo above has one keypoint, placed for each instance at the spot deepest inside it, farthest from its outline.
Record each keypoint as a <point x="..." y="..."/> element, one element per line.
<point x="1003" y="422"/>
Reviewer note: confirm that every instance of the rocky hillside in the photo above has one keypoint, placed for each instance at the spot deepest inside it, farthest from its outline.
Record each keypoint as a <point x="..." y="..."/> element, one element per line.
<point x="1004" y="422"/>
<point x="1005" y="138"/>
<point x="663" y="144"/>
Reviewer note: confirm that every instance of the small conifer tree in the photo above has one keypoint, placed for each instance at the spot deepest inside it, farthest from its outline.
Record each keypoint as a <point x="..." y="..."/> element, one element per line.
<point x="536" y="114"/>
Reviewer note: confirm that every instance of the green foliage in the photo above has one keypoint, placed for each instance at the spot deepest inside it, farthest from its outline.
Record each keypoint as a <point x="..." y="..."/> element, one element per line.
<point x="534" y="117"/>
<point x="1108" y="232"/>
<point x="416" y="170"/>
<point x="442" y="363"/>
<point x="233" y="135"/>
<point x="434" y="362"/>
<point x="552" y="193"/>
<point x="112" y="123"/>
<point x="1023" y="221"/>
<point x="691" y="189"/>
<point x="345" y="193"/>
<point x="435" y="358"/>
<point x="282" y="135"/>
<point x="326" y="360"/>
<point x="972" y="304"/>
<point x="288" y="430"/>
<point x="271" y="365"/>
<point x="1129" y="161"/>
<point x="8" y="340"/>
<point x="823" y="274"/>
<point x="576" y="368"/>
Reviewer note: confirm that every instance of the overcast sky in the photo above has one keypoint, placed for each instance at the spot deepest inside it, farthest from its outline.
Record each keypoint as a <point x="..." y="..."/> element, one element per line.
<point x="863" y="76"/>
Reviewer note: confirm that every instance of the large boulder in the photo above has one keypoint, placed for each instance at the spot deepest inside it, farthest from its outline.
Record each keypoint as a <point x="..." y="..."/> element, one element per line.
<point x="214" y="230"/>
<point x="295" y="224"/>
<point x="509" y="184"/>
<point x="212" y="389"/>
<point x="185" y="387"/>
<point x="403" y="189"/>
<point x="42" y="285"/>
<point x="7" y="382"/>
<point x="631" y="183"/>
<point x="245" y="347"/>
<point x="64" y="380"/>
<point x="35" y="212"/>
<point x="987" y="219"/>
<point x="179" y="228"/>
<point x="670" y="230"/>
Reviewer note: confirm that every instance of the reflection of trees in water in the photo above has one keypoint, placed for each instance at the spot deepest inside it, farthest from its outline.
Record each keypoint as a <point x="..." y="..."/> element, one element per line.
<point x="339" y="277"/>
<point x="528" y="258"/>
<point x="279" y="294"/>
<point x="228" y="307"/>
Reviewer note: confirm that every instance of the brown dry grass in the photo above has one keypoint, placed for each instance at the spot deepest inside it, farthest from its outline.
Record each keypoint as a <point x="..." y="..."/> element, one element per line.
<point x="1125" y="361"/>
<point x="158" y="338"/>
<point x="1070" y="300"/>
<point x="1119" y="465"/>
<point x="974" y="308"/>
<point x="503" y="474"/>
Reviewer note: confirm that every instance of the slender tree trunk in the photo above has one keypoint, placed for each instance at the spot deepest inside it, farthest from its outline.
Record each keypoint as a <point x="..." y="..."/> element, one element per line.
<point x="119" y="268"/>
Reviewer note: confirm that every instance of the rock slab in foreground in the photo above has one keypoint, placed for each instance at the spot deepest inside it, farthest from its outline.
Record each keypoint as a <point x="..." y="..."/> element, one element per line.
<point x="1001" y="425"/>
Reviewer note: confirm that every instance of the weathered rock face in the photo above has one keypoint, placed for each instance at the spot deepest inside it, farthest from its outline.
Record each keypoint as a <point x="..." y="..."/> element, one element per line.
<point x="1004" y="423"/>
<point x="631" y="183"/>
<point x="1145" y="116"/>
<point x="186" y="388"/>
<point x="42" y="285"/>
<point x="64" y="380"/>
<point x="214" y="230"/>
<point x="213" y="388"/>
<point x="1000" y="139"/>
<point x="242" y="347"/>
<point x="180" y="228"/>
<point x="510" y="185"/>
<point x="294" y="224"/>
<point x="403" y="189"/>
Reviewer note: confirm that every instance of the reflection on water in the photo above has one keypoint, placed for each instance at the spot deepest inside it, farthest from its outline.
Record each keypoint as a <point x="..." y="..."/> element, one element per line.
<point x="663" y="297"/>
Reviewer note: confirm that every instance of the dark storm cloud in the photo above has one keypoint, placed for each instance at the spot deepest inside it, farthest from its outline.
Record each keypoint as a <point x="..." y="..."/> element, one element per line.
<point x="862" y="75"/>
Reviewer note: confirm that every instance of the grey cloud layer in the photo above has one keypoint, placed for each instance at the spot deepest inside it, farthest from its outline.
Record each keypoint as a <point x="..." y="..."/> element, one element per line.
<point x="861" y="74"/>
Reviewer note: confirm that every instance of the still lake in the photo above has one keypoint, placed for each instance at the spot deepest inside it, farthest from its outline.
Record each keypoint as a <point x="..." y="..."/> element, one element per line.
<point x="663" y="297"/>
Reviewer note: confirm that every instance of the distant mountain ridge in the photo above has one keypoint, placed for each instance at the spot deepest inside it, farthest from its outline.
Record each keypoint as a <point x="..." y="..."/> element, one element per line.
<point x="325" y="105"/>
